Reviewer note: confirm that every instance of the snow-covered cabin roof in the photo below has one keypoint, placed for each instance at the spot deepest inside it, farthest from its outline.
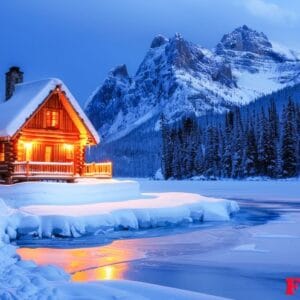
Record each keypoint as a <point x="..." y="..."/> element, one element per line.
<point x="27" y="98"/>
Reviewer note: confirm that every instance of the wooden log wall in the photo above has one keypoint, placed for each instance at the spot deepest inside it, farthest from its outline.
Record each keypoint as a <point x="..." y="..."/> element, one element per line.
<point x="79" y="159"/>
<point x="39" y="120"/>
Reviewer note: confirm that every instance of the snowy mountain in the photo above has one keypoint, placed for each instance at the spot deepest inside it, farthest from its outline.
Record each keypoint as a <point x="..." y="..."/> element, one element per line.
<point x="178" y="77"/>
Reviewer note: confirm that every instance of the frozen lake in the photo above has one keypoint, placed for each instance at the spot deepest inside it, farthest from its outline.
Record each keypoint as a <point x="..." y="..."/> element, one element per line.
<point x="246" y="258"/>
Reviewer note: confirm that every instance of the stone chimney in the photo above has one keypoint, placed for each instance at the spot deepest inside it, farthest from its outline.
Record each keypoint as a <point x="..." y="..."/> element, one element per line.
<point x="13" y="76"/>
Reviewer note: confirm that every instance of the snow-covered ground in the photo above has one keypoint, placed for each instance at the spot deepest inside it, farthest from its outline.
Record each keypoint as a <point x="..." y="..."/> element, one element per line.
<point x="83" y="192"/>
<point x="246" y="258"/>
<point x="46" y="210"/>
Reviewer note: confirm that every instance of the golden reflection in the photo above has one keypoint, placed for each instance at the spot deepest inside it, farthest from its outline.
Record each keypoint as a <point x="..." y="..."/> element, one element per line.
<point x="87" y="264"/>
<point x="102" y="273"/>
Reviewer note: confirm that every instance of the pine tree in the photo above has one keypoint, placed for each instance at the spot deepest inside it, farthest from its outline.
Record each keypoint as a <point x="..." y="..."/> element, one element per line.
<point x="167" y="143"/>
<point x="269" y="150"/>
<point x="212" y="157"/>
<point x="273" y="141"/>
<point x="261" y="133"/>
<point x="298" y="137"/>
<point x="190" y="145"/>
<point x="227" y="152"/>
<point x="199" y="159"/>
<point x="238" y="146"/>
<point x="251" y="155"/>
<point x="273" y="120"/>
<point x="178" y="170"/>
<point x="289" y="141"/>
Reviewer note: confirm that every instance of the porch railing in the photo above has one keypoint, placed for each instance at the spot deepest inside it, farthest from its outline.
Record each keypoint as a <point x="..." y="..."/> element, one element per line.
<point x="98" y="169"/>
<point x="37" y="168"/>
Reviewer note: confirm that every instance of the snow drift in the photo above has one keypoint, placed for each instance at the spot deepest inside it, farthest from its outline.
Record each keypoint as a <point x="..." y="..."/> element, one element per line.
<point x="94" y="213"/>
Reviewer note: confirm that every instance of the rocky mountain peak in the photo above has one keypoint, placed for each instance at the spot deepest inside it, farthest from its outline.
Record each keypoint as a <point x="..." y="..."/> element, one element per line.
<point x="158" y="41"/>
<point x="246" y="39"/>
<point x="182" y="54"/>
<point x="120" y="71"/>
<point x="179" y="77"/>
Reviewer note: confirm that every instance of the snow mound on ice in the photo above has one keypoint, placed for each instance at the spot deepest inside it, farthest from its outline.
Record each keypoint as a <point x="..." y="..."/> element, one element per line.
<point x="149" y="211"/>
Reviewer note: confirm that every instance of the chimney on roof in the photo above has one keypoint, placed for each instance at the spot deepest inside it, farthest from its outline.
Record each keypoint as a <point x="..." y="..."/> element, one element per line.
<point x="13" y="77"/>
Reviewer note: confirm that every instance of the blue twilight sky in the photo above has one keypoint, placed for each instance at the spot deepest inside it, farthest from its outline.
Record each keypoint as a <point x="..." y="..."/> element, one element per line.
<point x="79" y="41"/>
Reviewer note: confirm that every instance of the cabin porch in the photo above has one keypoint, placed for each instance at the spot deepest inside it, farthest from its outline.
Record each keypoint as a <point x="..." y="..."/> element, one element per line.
<point x="48" y="158"/>
<point x="35" y="170"/>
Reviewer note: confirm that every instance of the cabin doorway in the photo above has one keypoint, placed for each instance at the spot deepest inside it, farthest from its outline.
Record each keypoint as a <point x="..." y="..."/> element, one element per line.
<point x="28" y="151"/>
<point x="48" y="153"/>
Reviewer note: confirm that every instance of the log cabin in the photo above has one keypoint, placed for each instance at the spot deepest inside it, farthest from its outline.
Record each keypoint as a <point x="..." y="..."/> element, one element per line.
<point x="44" y="133"/>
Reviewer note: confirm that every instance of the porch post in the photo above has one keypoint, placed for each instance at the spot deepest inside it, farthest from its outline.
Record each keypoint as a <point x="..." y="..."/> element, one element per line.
<point x="10" y="157"/>
<point x="79" y="158"/>
<point x="27" y="168"/>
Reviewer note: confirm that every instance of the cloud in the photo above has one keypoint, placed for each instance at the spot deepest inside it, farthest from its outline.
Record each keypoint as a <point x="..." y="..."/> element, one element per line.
<point x="270" y="11"/>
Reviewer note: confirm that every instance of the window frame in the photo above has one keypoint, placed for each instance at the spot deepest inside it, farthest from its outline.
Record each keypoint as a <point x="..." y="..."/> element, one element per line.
<point x="2" y="152"/>
<point x="52" y="118"/>
<point x="69" y="152"/>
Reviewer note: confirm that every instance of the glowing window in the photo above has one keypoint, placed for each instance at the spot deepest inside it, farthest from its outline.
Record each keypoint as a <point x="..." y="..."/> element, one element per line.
<point x="2" y="156"/>
<point x="28" y="150"/>
<point x="52" y="119"/>
<point x="69" y="151"/>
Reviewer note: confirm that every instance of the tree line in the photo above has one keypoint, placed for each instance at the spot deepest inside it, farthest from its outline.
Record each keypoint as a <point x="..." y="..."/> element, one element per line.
<point x="242" y="143"/>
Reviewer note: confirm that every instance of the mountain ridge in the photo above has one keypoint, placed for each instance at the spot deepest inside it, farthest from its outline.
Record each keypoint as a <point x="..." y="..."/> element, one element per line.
<point x="177" y="77"/>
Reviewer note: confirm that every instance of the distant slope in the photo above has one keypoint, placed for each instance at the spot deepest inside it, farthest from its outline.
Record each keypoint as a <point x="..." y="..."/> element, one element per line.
<point x="138" y="154"/>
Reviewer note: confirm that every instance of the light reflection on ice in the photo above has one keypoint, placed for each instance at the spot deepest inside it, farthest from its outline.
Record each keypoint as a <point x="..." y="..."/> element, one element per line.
<point x="86" y="264"/>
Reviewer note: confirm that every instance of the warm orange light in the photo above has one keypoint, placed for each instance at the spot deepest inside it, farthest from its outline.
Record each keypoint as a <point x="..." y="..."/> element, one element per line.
<point x="108" y="262"/>
<point x="52" y="119"/>
<point x="111" y="272"/>
<point x="84" y="140"/>
<point x="68" y="147"/>
<point x="27" y="145"/>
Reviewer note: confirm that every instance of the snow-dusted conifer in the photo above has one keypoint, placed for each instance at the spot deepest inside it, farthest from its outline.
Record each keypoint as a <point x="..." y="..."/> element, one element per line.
<point x="289" y="141"/>
<point x="238" y="146"/>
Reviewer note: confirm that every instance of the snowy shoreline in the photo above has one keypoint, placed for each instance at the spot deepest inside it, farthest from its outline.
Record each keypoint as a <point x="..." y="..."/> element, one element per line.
<point x="96" y="214"/>
<point x="149" y="211"/>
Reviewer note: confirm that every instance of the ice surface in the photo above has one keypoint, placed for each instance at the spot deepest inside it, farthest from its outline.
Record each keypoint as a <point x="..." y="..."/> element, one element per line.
<point x="260" y="190"/>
